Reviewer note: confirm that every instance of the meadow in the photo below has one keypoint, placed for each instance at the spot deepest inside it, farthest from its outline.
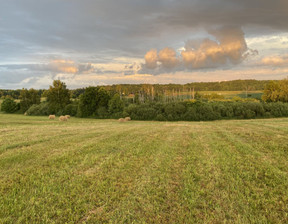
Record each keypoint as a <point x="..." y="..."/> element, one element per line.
<point x="103" y="171"/>
<point x="231" y="94"/>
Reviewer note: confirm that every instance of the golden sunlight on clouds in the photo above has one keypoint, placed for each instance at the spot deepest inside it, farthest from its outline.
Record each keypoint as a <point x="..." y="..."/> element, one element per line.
<point x="276" y="60"/>
<point x="180" y="77"/>
<point x="139" y="75"/>
<point x="168" y="58"/>
<point x="151" y="59"/>
<point x="229" y="47"/>
<point x="65" y="66"/>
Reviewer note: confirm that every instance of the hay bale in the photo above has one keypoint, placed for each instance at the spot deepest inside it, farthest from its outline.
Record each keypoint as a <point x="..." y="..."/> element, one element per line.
<point x="121" y="120"/>
<point x="127" y="118"/>
<point x="68" y="116"/>
<point x="51" y="117"/>
<point x="63" y="118"/>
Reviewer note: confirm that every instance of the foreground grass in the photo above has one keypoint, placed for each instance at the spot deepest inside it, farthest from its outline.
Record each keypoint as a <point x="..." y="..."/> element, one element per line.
<point x="102" y="171"/>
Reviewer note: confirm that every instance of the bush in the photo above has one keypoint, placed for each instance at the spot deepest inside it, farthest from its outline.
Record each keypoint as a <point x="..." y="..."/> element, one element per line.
<point x="117" y="115"/>
<point x="115" y="104"/>
<point x="9" y="106"/>
<point x="141" y="112"/>
<point x="191" y="114"/>
<point x="70" y="109"/>
<point x="160" y="117"/>
<point x="249" y="114"/>
<point x="277" y="109"/>
<point x="206" y="113"/>
<point x="238" y="109"/>
<point x="39" y="109"/>
<point x="175" y="111"/>
<point x="102" y="112"/>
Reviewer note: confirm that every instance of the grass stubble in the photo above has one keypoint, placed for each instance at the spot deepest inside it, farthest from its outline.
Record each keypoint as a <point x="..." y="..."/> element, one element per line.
<point x="103" y="171"/>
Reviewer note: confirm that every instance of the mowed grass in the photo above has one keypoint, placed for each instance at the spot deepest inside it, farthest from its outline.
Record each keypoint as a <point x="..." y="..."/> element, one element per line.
<point x="102" y="171"/>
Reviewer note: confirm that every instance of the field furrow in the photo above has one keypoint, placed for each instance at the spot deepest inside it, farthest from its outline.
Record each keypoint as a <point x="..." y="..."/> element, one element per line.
<point x="103" y="171"/>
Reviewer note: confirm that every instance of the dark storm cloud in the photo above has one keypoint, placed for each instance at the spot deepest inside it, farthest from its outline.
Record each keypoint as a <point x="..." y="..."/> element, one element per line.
<point x="128" y="26"/>
<point x="267" y="13"/>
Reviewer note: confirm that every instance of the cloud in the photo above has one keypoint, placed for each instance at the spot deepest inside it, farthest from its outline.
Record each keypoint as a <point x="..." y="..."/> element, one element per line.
<point x="258" y="13"/>
<point x="55" y="66"/>
<point x="33" y="31"/>
<point x="85" y="68"/>
<point x="64" y="66"/>
<point x="92" y="26"/>
<point x="131" y="69"/>
<point x="227" y="48"/>
<point x="168" y="57"/>
<point x="275" y="60"/>
<point x="151" y="59"/>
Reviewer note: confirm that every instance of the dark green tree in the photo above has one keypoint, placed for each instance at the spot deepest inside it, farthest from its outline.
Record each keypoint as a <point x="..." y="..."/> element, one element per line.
<point x="58" y="96"/>
<point x="28" y="98"/>
<point x="9" y="106"/>
<point x="91" y="100"/>
<point x="116" y="104"/>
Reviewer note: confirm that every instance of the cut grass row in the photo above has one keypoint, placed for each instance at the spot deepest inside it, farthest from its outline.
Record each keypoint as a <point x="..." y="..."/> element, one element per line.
<point x="101" y="171"/>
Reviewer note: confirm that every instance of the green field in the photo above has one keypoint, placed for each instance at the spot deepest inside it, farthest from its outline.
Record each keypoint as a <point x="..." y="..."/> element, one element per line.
<point x="232" y="94"/>
<point x="102" y="171"/>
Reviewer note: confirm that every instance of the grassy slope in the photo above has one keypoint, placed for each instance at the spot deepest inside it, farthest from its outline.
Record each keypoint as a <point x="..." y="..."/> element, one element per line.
<point x="154" y="172"/>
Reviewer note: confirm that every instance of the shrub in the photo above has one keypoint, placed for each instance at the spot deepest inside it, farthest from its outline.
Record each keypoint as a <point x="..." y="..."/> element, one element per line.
<point x="115" y="105"/>
<point x="175" y="111"/>
<point x="141" y="112"/>
<point x="276" y="109"/>
<point x="71" y="109"/>
<point x="248" y="114"/>
<point x="130" y="109"/>
<point x="238" y="109"/>
<point x="206" y="113"/>
<point x="39" y="109"/>
<point x="199" y="110"/>
<point x="117" y="115"/>
<point x="160" y="117"/>
<point x="9" y="106"/>
<point x="191" y="114"/>
<point x="102" y="112"/>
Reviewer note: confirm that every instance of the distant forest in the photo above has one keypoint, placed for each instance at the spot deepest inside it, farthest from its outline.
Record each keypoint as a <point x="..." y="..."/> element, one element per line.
<point x="169" y="89"/>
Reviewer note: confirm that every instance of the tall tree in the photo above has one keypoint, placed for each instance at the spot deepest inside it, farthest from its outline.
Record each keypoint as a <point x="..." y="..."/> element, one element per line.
<point x="116" y="104"/>
<point x="9" y="106"/>
<point x="283" y="94"/>
<point x="276" y="91"/>
<point x="58" y="96"/>
<point x="271" y="92"/>
<point x="91" y="100"/>
<point x="28" y="98"/>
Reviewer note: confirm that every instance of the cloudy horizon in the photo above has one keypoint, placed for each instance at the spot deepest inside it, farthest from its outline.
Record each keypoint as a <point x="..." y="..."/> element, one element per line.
<point x="101" y="42"/>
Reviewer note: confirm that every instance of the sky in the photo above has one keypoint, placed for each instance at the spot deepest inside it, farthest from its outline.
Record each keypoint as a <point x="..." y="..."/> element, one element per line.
<point x="103" y="42"/>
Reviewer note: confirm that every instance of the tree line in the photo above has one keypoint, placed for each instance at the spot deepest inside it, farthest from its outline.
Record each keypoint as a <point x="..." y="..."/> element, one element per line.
<point x="100" y="102"/>
<point x="126" y="89"/>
